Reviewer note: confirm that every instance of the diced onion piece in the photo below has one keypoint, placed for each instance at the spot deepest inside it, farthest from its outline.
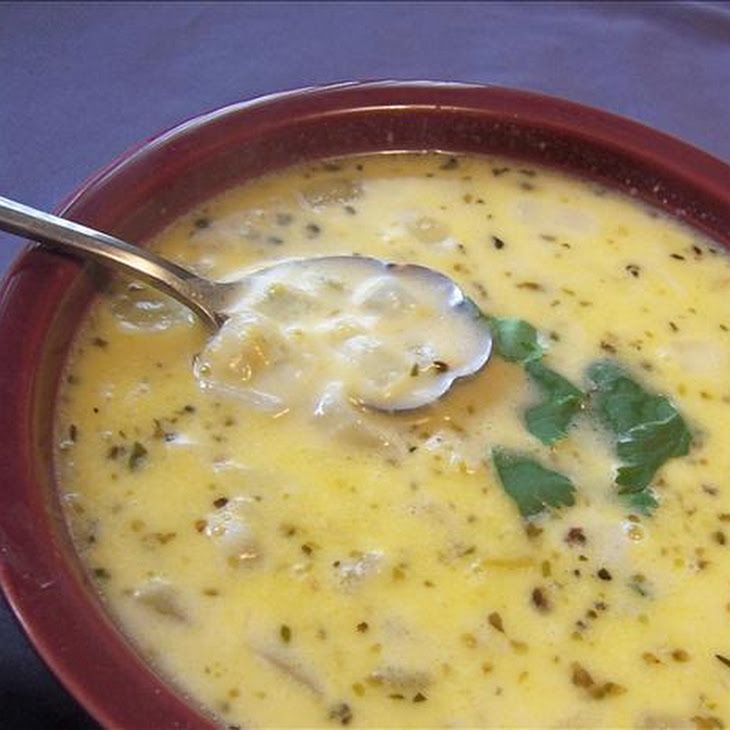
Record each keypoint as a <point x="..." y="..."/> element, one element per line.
<point x="231" y="531"/>
<point x="564" y="219"/>
<point x="372" y="364"/>
<point x="401" y="678"/>
<point x="384" y="295"/>
<point x="290" y="666"/>
<point x="160" y="596"/>
<point x="350" y="573"/>
<point x="696" y="356"/>
<point x="330" y="191"/>
<point x="284" y="302"/>
<point x="139" y="307"/>
<point x="351" y="427"/>
<point x="428" y="230"/>
<point x="339" y="329"/>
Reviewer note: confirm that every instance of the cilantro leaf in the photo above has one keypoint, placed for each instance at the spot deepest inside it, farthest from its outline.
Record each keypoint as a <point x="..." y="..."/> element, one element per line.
<point x="649" y="429"/>
<point x="644" y="501"/>
<point x="644" y="448"/>
<point x="531" y="485"/>
<point x="621" y="402"/>
<point x="549" y="419"/>
<point x="515" y="340"/>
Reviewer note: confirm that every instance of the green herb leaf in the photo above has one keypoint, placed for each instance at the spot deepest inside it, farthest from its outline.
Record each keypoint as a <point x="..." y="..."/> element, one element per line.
<point x="620" y="401"/>
<point x="649" y="429"/>
<point x="531" y="485"/>
<point x="643" y="502"/>
<point x="515" y="340"/>
<point x="549" y="420"/>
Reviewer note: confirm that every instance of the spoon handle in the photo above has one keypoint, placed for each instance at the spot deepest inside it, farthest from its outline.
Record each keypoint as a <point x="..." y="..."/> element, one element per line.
<point x="74" y="238"/>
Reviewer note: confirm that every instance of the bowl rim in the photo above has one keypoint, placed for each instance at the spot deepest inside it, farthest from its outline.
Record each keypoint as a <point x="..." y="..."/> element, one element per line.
<point x="65" y="651"/>
<point x="616" y="130"/>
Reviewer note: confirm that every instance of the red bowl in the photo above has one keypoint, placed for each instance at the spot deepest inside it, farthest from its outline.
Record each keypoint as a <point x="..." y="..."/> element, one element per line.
<point x="44" y="296"/>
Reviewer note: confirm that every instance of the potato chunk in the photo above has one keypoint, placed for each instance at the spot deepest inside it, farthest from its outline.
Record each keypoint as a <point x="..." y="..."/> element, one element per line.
<point x="349" y="426"/>
<point x="161" y="597"/>
<point x="138" y="307"/>
<point x="248" y="358"/>
<point x="384" y="295"/>
<point x="330" y="191"/>
<point x="285" y="302"/>
<point x="427" y="229"/>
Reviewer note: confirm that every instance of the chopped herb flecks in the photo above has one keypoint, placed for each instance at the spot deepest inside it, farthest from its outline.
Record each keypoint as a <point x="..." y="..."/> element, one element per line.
<point x="341" y="713"/>
<point x="137" y="457"/>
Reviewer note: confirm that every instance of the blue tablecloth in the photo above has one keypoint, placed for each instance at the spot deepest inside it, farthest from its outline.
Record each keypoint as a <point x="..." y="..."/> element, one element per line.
<point x="80" y="82"/>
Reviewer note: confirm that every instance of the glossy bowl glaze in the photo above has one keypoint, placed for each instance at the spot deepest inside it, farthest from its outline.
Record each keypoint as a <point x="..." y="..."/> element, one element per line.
<point x="45" y="295"/>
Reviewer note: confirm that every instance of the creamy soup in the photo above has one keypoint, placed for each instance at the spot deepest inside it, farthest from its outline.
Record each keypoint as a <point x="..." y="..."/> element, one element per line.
<point x="544" y="546"/>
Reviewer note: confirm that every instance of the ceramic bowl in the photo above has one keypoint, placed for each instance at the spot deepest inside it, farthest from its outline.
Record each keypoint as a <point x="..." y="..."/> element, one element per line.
<point x="45" y="295"/>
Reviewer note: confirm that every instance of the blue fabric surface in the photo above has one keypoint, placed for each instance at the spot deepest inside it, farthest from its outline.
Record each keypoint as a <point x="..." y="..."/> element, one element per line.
<point x="81" y="82"/>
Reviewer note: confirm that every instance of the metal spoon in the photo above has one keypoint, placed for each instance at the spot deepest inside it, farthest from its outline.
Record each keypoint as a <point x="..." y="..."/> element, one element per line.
<point x="213" y="302"/>
<point x="205" y="298"/>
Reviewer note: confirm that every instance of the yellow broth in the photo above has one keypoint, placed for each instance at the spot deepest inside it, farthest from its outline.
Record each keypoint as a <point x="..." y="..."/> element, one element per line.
<point x="288" y="570"/>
